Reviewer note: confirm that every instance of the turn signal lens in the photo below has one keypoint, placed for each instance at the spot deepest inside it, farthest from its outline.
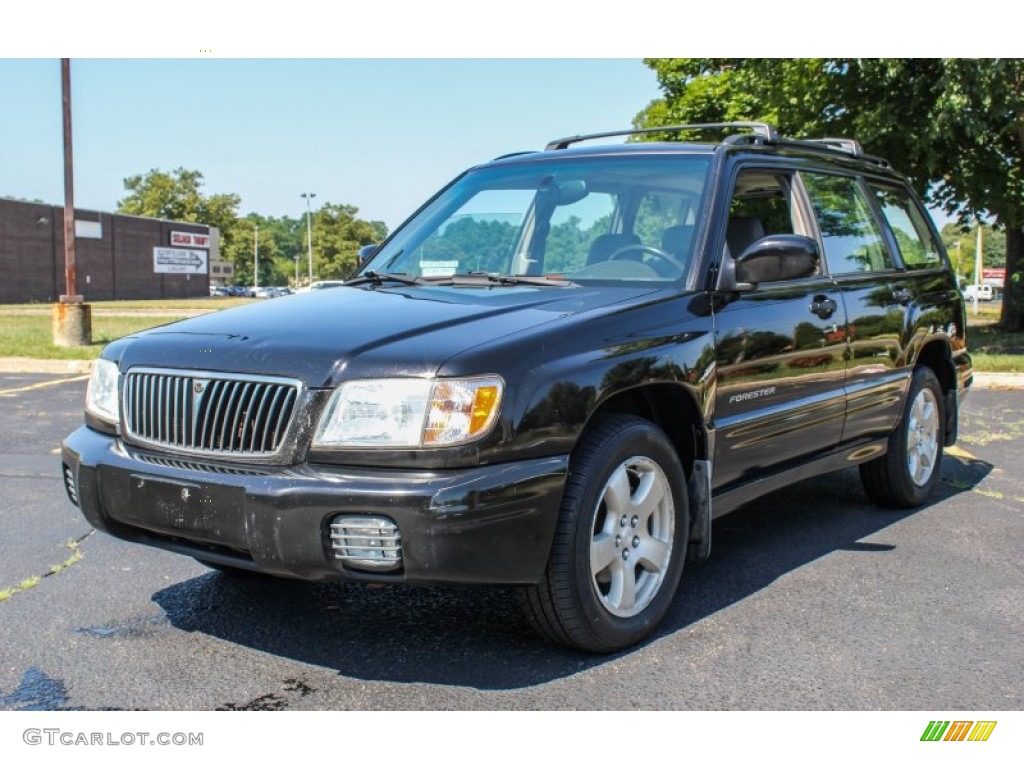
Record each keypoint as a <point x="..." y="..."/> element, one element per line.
<point x="461" y="410"/>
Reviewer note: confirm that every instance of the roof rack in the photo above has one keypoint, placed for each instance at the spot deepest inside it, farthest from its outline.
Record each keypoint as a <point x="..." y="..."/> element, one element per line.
<point x="759" y="133"/>
<point x="847" y="145"/>
<point x="762" y="130"/>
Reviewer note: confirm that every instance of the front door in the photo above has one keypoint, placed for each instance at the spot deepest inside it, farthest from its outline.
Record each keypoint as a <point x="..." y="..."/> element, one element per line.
<point x="780" y="349"/>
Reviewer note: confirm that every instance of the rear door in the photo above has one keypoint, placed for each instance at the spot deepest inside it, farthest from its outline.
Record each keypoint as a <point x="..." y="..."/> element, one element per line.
<point x="875" y="293"/>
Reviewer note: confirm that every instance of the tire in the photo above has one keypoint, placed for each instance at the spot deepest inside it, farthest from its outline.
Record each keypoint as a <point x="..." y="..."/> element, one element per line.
<point x="906" y="475"/>
<point x="620" y="543"/>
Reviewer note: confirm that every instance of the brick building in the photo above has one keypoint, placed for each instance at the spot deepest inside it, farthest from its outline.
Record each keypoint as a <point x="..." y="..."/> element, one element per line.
<point x="117" y="256"/>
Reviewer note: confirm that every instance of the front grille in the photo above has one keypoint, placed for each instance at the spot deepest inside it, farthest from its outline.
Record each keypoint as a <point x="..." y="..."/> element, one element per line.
<point x="208" y="413"/>
<point x="367" y="543"/>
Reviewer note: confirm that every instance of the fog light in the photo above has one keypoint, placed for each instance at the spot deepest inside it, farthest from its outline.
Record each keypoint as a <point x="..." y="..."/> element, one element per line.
<point x="366" y="543"/>
<point x="69" y="485"/>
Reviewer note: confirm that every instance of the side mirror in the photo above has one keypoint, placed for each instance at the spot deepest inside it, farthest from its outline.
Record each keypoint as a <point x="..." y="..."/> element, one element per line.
<point x="366" y="252"/>
<point x="775" y="258"/>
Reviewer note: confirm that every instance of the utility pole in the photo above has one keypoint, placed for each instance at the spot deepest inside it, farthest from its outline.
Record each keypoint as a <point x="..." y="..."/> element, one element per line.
<point x="71" y="323"/>
<point x="256" y="260"/>
<point x="309" y="231"/>
<point x="977" y="269"/>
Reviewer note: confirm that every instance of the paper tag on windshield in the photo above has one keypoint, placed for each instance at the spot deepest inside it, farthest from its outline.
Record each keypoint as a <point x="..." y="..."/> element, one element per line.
<point x="438" y="268"/>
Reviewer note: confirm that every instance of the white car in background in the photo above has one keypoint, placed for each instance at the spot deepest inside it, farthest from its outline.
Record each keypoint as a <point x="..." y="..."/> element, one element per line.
<point x="984" y="292"/>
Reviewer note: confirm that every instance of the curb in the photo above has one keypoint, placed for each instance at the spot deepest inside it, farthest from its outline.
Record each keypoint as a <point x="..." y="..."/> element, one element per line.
<point x="1011" y="381"/>
<point x="998" y="381"/>
<point x="32" y="365"/>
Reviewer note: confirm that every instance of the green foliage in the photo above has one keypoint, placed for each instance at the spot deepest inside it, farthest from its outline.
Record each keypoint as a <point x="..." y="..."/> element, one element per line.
<point x="337" y="237"/>
<point x="177" y="196"/>
<point x="963" y="244"/>
<point x="337" y="233"/>
<point x="955" y="126"/>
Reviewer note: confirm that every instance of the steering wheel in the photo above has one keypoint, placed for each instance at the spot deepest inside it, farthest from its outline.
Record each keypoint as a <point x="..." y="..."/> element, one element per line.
<point x="656" y="252"/>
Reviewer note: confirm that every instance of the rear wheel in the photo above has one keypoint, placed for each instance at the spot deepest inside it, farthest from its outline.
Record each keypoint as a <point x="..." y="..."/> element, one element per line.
<point x="906" y="475"/>
<point x="618" y="551"/>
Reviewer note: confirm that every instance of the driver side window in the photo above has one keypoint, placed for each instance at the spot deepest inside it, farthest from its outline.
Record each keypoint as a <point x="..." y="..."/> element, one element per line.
<point x="762" y="204"/>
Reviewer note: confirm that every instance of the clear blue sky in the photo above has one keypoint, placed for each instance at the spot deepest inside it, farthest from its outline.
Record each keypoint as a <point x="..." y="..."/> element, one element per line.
<point x="380" y="134"/>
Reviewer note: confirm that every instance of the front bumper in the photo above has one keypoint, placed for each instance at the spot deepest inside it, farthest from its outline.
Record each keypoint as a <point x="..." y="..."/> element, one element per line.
<point x="482" y="525"/>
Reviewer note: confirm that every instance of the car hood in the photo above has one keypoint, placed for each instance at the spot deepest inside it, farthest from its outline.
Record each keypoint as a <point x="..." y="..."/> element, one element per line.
<point x="326" y="336"/>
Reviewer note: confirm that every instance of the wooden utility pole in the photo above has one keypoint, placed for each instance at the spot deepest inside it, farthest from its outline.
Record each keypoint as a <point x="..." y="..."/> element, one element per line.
<point x="72" y="318"/>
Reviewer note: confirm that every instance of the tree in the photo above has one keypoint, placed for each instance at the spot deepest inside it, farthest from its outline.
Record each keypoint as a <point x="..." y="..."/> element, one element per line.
<point x="338" y="236"/>
<point x="177" y="196"/>
<point x="962" y="245"/>
<point x="955" y="126"/>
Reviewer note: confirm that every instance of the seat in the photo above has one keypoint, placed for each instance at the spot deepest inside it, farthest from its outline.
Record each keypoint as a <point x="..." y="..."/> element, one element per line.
<point x="605" y="245"/>
<point x="742" y="233"/>
<point x="678" y="241"/>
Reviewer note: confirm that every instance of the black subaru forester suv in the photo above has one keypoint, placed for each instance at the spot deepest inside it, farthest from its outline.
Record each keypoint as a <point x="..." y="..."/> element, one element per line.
<point x="554" y="375"/>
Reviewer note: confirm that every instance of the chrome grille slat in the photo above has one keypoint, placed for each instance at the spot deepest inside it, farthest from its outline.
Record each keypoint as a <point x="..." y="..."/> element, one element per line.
<point x="259" y="416"/>
<point x="212" y="414"/>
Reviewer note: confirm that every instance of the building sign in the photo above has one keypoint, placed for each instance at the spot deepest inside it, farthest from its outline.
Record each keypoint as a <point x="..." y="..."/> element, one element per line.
<point x="189" y="240"/>
<point x="179" y="260"/>
<point x="92" y="230"/>
<point x="994" y="276"/>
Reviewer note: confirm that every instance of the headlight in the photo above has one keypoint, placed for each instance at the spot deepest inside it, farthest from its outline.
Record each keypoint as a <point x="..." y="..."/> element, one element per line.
<point x="409" y="413"/>
<point x="101" y="398"/>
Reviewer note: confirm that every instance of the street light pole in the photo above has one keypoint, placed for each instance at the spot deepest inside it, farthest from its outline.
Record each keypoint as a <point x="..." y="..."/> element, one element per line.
<point x="309" y="231"/>
<point x="256" y="260"/>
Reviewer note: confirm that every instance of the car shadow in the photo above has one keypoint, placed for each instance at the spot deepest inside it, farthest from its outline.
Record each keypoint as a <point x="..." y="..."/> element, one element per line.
<point x="478" y="637"/>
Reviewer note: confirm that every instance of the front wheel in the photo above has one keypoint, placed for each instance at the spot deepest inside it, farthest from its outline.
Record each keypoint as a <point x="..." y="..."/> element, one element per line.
<point x="619" y="547"/>
<point x="906" y="475"/>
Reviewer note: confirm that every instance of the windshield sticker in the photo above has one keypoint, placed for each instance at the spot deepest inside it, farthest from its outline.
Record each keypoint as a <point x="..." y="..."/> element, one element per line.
<point x="438" y="268"/>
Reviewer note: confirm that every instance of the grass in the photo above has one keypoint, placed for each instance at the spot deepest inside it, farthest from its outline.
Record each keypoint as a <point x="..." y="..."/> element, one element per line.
<point x="30" y="335"/>
<point x="34" y="581"/>
<point x="992" y="349"/>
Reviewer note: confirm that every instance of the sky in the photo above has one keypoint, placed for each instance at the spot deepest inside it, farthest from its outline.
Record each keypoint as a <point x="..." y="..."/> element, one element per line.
<point x="380" y="134"/>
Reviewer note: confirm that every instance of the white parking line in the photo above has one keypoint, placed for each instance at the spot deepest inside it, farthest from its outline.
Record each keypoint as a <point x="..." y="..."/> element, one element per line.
<point x="40" y="385"/>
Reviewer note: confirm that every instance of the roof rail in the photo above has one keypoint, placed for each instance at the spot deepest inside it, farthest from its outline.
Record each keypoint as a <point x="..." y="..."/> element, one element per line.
<point x="850" y="147"/>
<point x="759" y="133"/>
<point x="762" y="130"/>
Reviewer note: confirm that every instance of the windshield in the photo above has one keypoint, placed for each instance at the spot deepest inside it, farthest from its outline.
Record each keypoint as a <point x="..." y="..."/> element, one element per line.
<point x="618" y="219"/>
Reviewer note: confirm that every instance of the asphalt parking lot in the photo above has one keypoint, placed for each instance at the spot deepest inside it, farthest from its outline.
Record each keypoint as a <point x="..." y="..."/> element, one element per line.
<point x="813" y="599"/>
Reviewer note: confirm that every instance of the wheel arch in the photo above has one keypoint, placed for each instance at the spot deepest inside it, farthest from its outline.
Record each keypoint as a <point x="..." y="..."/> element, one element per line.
<point x="671" y="407"/>
<point x="937" y="355"/>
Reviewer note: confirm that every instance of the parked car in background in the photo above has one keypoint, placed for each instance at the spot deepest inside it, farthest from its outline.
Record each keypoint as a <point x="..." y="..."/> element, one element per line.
<point x="983" y="292"/>
<point x="320" y="285"/>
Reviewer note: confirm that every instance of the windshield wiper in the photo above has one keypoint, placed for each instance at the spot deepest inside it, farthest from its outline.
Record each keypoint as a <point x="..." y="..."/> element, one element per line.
<point x="379" y="278"/>
<point x="544" y="280"/>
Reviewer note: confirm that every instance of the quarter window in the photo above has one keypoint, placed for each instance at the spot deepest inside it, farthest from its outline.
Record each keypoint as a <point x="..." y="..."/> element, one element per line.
<point x="909" y="227"/>
<point x="851" y="236"/>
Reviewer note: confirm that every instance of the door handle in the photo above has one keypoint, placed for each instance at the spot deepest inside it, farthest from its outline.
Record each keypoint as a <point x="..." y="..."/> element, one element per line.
<point x="823" y="307"/>
<point x="901" y="295"/>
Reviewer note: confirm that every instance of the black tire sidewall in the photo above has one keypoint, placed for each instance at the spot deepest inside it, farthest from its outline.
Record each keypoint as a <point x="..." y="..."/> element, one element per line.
<point x="910" y="491"/>
<point x="633" y="437"/>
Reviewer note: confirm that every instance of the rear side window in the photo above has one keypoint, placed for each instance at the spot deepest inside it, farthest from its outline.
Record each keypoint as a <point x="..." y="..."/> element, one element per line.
<point x="909" y="227"/>
<point x="851" y="236"/>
